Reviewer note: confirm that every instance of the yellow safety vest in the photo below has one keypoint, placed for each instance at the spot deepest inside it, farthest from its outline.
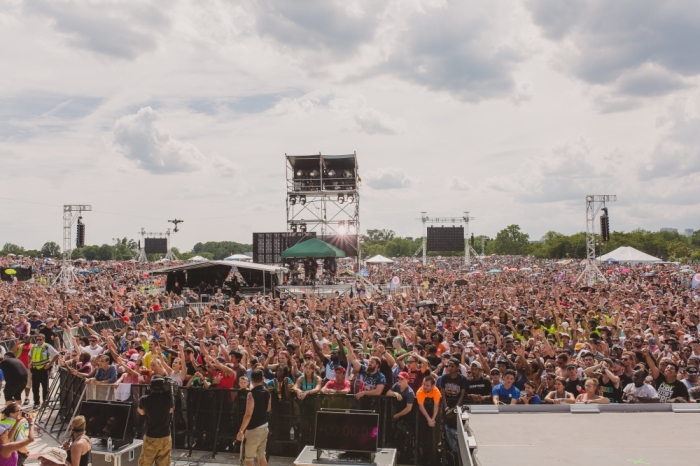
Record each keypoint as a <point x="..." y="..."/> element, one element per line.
<point x="39" y="355"/>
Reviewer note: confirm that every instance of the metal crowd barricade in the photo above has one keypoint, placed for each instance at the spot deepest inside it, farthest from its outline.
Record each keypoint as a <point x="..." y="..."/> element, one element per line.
<point x="209" y="419"/>
<point x="172" y="313"/>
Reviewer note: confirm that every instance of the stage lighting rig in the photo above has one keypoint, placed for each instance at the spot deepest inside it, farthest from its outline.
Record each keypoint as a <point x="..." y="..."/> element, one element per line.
<point x="175" y="222"/>
<point x="341" y="228"/>
<point x="302" y="228"/>
<point x="302" y="199"/>
<point x="341" y="198"/>
<point x="80" y="240"/>
<point x="292" y="200"/>
<point x="331" y="173"/>
<point x="351" y="198"/>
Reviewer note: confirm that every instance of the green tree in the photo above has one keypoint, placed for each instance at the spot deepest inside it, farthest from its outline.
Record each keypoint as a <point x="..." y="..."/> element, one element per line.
<point x="10" y="248"/>
<point x="511" y="241"/>
<point x="400" y="247"/>
<point x="678" y="250"/>
<point x="50" y="249"/>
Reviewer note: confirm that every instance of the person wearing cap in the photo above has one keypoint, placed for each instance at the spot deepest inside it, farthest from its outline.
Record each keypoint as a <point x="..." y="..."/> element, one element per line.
<point x="9" y="447"/>
<point x="339" y="385"/>
<point x="405" y="396"/>
<point x="574" y="381"/>
<point x="12" y="414"/>
<point x="452" y="386"/>
<point x="478" y="389"/>
<point x="41" y="358"/>
<point x="690" y="376"/>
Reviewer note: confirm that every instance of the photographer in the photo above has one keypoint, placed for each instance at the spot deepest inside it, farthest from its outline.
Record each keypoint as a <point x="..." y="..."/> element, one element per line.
<point x="157" y="406"/>
<point x="11" y="416"/>
<point x="9" y="447"/>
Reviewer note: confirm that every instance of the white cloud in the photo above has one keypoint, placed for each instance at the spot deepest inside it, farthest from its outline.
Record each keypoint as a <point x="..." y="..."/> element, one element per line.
<point x="111" y="28"/>
<point x="458" y="184"/>
<point x="388" y="178"/>
<point x="356" y="115"/>
<point x="139" y="138"/>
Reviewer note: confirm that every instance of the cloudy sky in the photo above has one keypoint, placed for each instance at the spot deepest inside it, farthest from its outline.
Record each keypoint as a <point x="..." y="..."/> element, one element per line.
<point x="513" y="110"/>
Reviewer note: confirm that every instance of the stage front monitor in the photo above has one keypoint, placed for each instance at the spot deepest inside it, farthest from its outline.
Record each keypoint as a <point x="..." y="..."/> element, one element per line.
<point x="445" y="239"/>
<point x="346" y="431"/>
<point x="156" y="245"/>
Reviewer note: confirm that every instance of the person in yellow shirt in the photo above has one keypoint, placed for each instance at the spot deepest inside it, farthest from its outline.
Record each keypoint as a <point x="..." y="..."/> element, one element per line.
<point x="428" y="390"/>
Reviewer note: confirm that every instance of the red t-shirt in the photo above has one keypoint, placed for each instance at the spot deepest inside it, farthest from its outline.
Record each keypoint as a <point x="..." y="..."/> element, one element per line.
<point x="334" y="385"/>
<point x="225" y="382"/>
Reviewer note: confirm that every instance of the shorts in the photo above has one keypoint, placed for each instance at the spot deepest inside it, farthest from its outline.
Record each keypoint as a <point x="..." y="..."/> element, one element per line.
<point x="256" y="443"/>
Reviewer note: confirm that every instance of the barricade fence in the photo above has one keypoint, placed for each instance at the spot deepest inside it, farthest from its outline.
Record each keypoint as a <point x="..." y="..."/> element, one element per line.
<point x="209" y="419"/>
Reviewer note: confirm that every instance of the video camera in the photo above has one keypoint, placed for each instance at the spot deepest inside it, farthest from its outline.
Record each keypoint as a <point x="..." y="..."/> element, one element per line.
<point x="160" y="384"/>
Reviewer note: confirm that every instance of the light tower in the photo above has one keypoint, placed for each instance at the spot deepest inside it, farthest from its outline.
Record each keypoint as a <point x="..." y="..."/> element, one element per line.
<point x="71" y="212"/>
<point x="592" y="273"/>
<point x="323" y="197"/>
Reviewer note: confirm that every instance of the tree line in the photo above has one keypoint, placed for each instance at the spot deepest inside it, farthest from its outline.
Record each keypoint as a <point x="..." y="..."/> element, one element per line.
<point x="553" y="245"/>
<point x="125" y="249"/>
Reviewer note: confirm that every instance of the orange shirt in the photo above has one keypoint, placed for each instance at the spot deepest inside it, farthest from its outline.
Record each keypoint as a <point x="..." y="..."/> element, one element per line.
<point x="421" y="395"/>
<point x="441" y="348"/>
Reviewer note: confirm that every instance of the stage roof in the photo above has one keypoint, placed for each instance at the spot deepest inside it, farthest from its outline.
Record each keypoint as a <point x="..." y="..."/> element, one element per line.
<point x="237" y="264"/>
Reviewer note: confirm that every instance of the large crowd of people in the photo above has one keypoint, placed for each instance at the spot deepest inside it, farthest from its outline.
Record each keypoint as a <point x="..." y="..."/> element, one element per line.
<point x="448" y="335"/>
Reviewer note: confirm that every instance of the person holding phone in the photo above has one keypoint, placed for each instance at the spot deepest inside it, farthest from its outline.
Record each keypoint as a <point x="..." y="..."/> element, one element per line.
<point x="9" y="447"/>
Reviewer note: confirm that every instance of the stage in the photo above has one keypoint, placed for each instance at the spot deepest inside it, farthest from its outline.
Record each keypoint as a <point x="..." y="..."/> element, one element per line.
<point x="604" y="439"/>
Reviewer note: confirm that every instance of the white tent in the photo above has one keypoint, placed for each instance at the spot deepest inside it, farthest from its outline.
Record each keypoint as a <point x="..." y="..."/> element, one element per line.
<point x="197" y="258"/>
<point x="628" y="255"/>
<point x="239" y="257"/>
<point x="379" y="259"/>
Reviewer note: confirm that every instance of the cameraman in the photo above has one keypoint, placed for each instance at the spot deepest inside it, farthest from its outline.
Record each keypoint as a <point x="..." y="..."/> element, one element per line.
<point x="157" y="406"/>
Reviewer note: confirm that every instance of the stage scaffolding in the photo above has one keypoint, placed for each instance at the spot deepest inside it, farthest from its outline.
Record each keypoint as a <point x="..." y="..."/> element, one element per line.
<point x="323" y="196"/>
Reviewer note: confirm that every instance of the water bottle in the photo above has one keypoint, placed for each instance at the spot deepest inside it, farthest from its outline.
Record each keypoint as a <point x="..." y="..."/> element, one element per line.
<point x="109" y="444"/>
<point x="291" y="433"/>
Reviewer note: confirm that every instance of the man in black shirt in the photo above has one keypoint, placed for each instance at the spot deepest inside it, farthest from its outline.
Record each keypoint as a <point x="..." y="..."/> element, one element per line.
<point x="158" y="408"/>
<point x="478" y="389"/>
<point x="669" y="388"/>
<point x="15" y="377"/>
<point x="254" y="423"/>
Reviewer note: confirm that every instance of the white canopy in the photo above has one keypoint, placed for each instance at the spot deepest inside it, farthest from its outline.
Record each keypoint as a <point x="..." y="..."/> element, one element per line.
<point x="197" y="258"/>
<point x="379" y="259"/>
<point x="239" y="257"/>
<point x="628" y="255"/>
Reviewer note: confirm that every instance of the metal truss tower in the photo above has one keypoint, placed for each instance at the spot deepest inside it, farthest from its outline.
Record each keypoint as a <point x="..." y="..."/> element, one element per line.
<point x="70" y="213"/>
<point x="323" y="196"/>
<point x="591" y="273"/>
<point x="453" y="220"/>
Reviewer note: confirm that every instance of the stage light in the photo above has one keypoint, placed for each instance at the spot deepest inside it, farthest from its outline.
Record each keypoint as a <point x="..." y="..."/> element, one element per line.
<point x="352" y="229"/>
<point x="331" y="173"/>
<point x="302" y="199"/>
<point x="347" y="174"/>
<point x="351" y="198"/>
<point x="341" y="198"/>
<point x="314" y="174"/>
<point x="341" y="228"/>
<point x="336" y="185"/>
<point x="300" y="174"/>
<point x="293" y="228"/>
<point x="302" y="228"/>
<point x="292" y="200"/>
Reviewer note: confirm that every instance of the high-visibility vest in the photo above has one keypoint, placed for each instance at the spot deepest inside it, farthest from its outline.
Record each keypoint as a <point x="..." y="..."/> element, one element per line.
<point x="39" y="355"/>
<point x="21" y="432"/>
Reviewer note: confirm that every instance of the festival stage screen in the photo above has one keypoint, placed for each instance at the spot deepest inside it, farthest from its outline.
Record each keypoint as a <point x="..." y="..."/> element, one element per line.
<point x="445" y="238"/>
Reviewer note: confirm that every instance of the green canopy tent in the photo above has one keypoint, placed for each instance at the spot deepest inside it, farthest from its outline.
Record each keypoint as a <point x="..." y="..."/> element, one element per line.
<point x="313" y="248"/>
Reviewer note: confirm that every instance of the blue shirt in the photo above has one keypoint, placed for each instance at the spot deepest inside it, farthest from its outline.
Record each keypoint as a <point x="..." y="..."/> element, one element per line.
<point x="506" y="396"/>
<point x="106" y="375"/>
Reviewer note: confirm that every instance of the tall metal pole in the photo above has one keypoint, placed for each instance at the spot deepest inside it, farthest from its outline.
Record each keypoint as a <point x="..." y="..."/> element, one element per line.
<point x="424" y="218"/>
<point x="70" y="213"/>
<point x="467" y="246"/>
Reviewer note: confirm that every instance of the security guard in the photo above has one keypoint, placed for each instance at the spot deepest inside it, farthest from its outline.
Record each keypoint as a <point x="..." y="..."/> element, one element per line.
<point x="41" y="357"/>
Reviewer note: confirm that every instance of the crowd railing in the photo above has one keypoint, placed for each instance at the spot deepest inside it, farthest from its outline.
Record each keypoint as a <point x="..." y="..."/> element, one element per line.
<point x="208" y="419"/>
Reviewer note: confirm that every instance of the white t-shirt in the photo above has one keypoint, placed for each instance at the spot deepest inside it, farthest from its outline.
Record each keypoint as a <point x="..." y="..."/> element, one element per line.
<point x="645" y="391"/>
<point x="93" y="352"/>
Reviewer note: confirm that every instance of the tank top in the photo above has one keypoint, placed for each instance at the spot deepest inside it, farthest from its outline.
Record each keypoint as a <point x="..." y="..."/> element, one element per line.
<point x="24" y="354"/>
<point x="84" y="458"/>
<point x="261" y="396"/>
<point x="307" y="386"/>
<point x="11" y="461"/>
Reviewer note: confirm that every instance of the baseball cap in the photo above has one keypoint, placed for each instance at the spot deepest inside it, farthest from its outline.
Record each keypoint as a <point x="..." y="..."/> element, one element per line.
<point x="308" y="354"/>
<point x="476" y="364"/>
<point x="403" y="375"/>
<point x="340" y="369"/>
